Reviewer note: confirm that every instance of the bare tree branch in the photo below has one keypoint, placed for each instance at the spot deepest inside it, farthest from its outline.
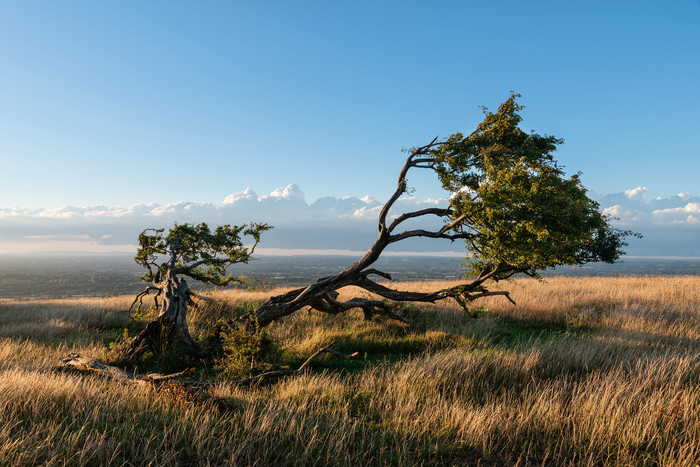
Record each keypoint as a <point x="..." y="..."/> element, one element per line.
<point x="440" y="212"/>
<point x="330" y="304"/>
<point x="401" y="188"/>
<point x="139" y="298"/>
<point x="429" y="234"/>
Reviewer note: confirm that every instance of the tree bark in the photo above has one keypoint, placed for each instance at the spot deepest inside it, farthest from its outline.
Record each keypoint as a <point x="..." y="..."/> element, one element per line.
<point x="170" y="327"/>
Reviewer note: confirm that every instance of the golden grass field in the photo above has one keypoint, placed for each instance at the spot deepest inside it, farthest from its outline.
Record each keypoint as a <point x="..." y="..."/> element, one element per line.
<point x="583" y="371"/>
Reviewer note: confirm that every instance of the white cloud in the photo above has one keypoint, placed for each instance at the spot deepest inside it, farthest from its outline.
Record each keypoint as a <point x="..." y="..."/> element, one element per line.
<point x="671" y="225"/>
<point x="367" y="212"/>
<point x="616" y="211"/>
<point x="241" y="196"/>
<point x="677" y="215"/>
<point x="464" y="189"/>
<point x="636" y="193"/>
<point x="291" y="191"/>
<point x="323" y="224"/>
<point x="632" y="209"/>
<point x="690" y="207"/>
<point x="66" y="212"/>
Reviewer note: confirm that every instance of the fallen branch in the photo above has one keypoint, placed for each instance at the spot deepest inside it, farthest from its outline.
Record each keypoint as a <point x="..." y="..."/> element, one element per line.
<point x="84" y="364"/>
<point x="187" y="390"/>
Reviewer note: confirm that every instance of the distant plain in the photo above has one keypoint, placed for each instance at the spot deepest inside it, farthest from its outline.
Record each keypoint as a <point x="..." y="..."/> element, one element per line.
<point x="66" y="275"/>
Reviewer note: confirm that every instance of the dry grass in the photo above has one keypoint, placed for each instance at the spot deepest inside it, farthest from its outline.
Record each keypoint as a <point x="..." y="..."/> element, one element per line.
<point x="57" y="318"/>
<point x="581" y="371"/>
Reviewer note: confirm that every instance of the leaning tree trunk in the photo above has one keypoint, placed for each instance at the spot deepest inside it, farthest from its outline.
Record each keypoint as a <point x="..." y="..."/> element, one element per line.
<point x="170" y="327"/>
<point x="323" y="296"/>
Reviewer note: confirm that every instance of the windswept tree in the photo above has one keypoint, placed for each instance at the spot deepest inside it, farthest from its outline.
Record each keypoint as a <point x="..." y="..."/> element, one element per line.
<point x="187" y="250"/>
<point x="510" y="203"/>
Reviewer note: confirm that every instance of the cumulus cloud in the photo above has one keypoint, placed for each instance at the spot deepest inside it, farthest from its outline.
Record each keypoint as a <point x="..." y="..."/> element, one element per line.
<point x="287" y="193"/>
<point x="248" y="195"/>
<point x="367" y="212"/>
<point x="632" y="208"/>
<point x="636" y="193"/>
<point x="670" y="225"/>
<point x="327" y="223"/>
<point x="683" y="215"/>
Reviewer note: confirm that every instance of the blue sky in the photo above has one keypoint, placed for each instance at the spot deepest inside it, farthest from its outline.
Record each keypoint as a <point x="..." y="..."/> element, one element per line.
<point x="128" y="103"/>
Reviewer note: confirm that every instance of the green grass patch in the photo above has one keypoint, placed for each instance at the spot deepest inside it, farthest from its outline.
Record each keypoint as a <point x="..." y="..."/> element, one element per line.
<point x="511" y="333"/>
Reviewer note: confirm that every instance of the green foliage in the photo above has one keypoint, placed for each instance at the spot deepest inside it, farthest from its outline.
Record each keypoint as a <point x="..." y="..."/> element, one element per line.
<point x="519" y="210"/>
<point x="141" y="314"/>
<point x="122" y="342"/>
<point x="196" y="251"/>
<point x="116" y="351"/>
<point x="248" y="350"/>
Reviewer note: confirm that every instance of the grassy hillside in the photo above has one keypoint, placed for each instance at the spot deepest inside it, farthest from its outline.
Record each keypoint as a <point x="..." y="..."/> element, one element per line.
<point x="583" y="371"/>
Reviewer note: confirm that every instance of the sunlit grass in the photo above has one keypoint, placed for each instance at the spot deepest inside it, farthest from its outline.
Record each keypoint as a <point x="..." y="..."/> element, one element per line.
<point x="582" y="371"/>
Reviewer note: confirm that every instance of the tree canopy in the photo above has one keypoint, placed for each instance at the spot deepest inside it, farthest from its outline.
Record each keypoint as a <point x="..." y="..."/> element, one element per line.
<point x="197" y="252"/>
<point x="512" y="203"/>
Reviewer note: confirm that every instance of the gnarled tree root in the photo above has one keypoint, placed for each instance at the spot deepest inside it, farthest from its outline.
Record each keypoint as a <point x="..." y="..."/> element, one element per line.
<point x="158" y="332"/>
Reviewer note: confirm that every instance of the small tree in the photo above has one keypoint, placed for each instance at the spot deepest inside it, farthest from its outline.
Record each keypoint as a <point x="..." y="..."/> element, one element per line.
<point x="510" y="203"/>
<point x="192" y="251"/>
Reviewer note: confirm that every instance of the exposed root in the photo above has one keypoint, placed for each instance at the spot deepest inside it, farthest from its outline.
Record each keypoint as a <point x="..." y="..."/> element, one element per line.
<point x="157" y="332"/>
